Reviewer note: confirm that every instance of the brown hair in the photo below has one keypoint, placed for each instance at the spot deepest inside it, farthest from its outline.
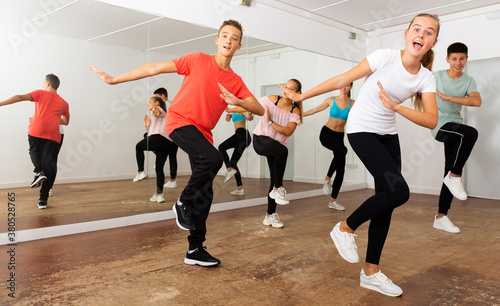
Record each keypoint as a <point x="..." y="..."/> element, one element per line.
<point x="427" y="60"/>
<point x="160" y="101"/>
<point x="232" y="23"/>
<point x="53" y="81"/>
<point x="299" y="103"/>
<point x="349" y="92"/>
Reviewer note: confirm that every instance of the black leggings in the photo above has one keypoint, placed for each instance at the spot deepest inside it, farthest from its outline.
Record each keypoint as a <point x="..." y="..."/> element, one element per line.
<point x="159" y="145"/>
<point x="276" y="155"/>
<point x="459" y="140"/>
<point x="334" y="141"/>
<point x="172" y="159"/>
<point x="381" y="156"/>
<point x="239" y="141"/>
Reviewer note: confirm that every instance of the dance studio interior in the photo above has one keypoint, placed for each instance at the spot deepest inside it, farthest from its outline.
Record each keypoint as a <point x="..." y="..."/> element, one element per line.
<point x="101" y="241"/>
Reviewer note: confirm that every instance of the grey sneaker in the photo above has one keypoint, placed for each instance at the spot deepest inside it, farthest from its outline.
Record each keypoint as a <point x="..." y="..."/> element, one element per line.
<point x="335" y="205"/>
<point x="140" y="177"/>
<point x="279" y="195"/>
<point x="273" y="220"/>
<point x="238" y="192"/>
<point x="327" y="187"/>
<point x="379" y="282"/>
<point x="444" y="223"/>
<point x="345" y="244"/>
<point x="455" y="186"/>
<point x="229" y="175"/>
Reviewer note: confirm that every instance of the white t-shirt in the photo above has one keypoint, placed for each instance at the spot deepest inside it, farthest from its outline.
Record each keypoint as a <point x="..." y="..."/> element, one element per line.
<point x="369" y="114"/>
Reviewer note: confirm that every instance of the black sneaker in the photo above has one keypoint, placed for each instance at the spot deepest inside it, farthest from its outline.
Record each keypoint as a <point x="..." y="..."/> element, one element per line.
<point x="200" y="256"/>
<point x="38" y="180"/>
<point x="183" y="217"/>
<point x="42" y="204"/>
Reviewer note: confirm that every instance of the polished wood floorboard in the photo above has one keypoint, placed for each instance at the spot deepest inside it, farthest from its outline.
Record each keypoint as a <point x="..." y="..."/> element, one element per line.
<point x="261" y="265"/>
<point x="80" y="202"/>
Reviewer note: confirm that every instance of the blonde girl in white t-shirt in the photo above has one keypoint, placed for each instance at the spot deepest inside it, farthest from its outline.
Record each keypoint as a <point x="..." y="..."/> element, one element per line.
<point x="392" y="76"/>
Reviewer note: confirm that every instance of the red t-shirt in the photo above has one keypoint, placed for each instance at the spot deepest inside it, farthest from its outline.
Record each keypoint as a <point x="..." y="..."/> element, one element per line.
<point x="198" y="101"/>
<point x="49" y="107"/>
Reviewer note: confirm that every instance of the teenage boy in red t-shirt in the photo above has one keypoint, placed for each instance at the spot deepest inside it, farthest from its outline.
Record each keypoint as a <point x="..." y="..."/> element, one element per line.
<point x="193" y="114"/>
<point x="44" y="134"/>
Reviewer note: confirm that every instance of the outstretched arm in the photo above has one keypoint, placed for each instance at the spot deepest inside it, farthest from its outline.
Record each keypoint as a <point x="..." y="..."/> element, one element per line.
<point x="359" y="71"/>
<point x="138" y="73"/>
<point x="249" y="104"/>
<point x="16" y="98"/>
<point x="318" y="108"/>
<point x="427" y="118"/>
<point x="474" y="99"/>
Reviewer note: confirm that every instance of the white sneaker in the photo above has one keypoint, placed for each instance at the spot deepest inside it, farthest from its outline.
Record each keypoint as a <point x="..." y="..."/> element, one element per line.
<point x="273" y="220"/>
<point x="379" y="282"/>
<point x="335" y="205"/>
<point x="140" y="176"/>
<point x="238" y="192"/>
<point x="444" y="223"/>
<point x="157" y="198"/>
<point x="279" y="195"/>
<point x="327" y="187"/>
<point x="170" y="184"/>
<point x="51" y="192"/>
<point x="455" y="186"/>
<point x="229" y="175"/>
<point x="345" y="244"/>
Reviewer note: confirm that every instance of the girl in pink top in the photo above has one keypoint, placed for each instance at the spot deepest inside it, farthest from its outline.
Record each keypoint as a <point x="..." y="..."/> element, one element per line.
<point x="154" y="140"/>
<point x="270" y="137"/>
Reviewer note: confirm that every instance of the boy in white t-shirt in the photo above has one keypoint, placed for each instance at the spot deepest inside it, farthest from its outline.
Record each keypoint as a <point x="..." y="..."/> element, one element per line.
<point x="454" y="89"/>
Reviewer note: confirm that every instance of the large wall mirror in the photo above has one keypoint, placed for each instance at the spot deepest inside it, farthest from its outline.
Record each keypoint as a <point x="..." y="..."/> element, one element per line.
<point x="97" y="160"/>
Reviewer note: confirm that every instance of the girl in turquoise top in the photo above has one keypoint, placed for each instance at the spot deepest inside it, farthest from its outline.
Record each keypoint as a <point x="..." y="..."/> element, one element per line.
<point x="332" y="138"/>
<point x="239" y="141"/>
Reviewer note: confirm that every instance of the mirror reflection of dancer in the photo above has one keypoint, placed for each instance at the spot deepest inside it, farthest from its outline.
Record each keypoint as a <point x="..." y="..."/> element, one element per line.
<point x="239" y="142"/>
<point x="173" y="148"/>
<point x="269" y="140"/>
<point x="454" y="89"/>
<point x="392" y="76"/>
<point x="193" y="114"/>
<point x="43" y="133"/>
<point x="63" y="122"/>
<point x="154" y="140"/>
<point x="332" y="138"/>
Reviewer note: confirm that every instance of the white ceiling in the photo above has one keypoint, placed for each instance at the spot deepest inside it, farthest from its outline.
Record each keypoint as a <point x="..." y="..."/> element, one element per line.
<point x="370" y="15"/>
<point x="93" y="21"/>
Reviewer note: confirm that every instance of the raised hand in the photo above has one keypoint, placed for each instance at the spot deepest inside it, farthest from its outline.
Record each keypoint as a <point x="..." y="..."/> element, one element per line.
<point x="287" y="93"/>
<point x="104" y="76"/>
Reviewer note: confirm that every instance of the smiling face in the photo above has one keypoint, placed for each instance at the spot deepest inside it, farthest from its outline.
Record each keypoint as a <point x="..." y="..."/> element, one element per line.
<point x="228" y="40"/>
<point x="421" y="35"/>
<point x="346" y="88"/>
<point x="152" y="103"/>
<point x="457" y="62"/>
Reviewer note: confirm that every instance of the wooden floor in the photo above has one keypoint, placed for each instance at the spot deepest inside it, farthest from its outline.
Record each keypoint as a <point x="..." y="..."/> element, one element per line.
<point x="80" y="202"/>
<point x="261" y="265"/>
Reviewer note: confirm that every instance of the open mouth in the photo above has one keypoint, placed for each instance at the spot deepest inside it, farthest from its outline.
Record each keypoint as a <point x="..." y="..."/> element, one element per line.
<point x="418" y="45"/>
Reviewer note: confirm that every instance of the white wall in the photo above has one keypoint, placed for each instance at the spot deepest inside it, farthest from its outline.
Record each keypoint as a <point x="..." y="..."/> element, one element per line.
<point x="106" y="121"/>
<point x="423" y="157"/>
